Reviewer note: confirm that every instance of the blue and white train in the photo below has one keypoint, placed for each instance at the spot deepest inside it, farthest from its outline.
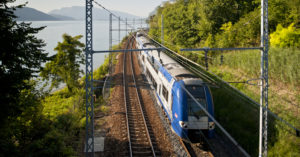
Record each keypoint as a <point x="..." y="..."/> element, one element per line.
<point x="168" y="79"/>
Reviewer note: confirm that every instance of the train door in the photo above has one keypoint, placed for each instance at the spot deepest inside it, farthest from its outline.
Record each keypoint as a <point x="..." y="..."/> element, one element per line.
<point x="166" y="98"/>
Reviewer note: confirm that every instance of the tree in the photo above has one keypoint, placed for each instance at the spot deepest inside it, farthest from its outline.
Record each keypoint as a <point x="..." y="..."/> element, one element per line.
<point x="65" y="65"/>
<point x="21" y="56"/>
<point x="20" y="59"/>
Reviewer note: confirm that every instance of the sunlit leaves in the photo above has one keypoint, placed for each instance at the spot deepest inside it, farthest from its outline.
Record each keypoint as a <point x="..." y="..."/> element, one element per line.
<point x="65" y="65"/>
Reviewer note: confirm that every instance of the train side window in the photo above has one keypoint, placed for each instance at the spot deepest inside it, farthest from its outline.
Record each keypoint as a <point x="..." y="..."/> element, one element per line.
<point x="152" y="59"/>
<point x="143" y="58"/>
<point x="165" y="93"/>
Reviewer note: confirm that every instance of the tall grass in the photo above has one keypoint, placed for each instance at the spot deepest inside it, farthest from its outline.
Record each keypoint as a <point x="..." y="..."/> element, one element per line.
<point x="284" y="95"/>
<point x="284" y="64"/>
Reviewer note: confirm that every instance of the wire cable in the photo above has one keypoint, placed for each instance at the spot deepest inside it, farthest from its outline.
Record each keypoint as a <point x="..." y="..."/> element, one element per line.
<point x="235" y="92"/>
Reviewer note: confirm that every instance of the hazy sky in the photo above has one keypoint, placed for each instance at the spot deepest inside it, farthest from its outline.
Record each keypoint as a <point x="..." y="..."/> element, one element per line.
<point x="136" y="7"/>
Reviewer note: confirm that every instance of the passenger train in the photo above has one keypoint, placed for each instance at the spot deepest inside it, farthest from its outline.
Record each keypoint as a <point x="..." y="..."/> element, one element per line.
<point x="168" y="79"/>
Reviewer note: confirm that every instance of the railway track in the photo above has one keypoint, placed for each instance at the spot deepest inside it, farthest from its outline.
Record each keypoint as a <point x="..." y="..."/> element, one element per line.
<point x="140" y="136"/>
<point x="200" y="147"/>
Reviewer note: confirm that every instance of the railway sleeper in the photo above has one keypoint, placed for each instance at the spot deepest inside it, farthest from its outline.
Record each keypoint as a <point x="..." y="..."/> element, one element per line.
<point x="139" y="140"/>
<point x="142" y="154"/>
<point x="139" y="133"/>
<point x="140" y="137"/>
<point x="141" y="148"/>
<point x="138" y="129"/>
<point x="137" y="124"/>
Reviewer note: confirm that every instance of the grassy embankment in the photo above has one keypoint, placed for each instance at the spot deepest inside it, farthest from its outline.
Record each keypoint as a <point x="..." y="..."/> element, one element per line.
<point x="284" y="98"/>
<point x="240" y="117"/>
<point x="67" y="112"/>
<point x="200" y="23"/>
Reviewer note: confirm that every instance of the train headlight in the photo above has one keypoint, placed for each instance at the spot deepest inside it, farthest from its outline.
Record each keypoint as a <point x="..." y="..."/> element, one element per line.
<point x="211" y="125"/>
<point x="182" y="124"/>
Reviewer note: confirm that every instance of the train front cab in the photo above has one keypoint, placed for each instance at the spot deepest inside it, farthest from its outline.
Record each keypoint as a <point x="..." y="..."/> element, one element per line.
<point x="189" y="117"/>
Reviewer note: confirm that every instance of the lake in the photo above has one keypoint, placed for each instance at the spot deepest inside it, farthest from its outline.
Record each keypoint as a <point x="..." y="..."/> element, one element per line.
<point x="54" y="30"/>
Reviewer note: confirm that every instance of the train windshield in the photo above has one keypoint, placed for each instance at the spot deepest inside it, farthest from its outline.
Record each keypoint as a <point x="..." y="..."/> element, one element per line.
<point x="199" y="94"/>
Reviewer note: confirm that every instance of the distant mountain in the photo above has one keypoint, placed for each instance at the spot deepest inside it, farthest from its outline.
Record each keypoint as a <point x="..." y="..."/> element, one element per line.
<point x="30" y="14"/>
<point x="78" y="13"/>
<point x="61" y="17"/>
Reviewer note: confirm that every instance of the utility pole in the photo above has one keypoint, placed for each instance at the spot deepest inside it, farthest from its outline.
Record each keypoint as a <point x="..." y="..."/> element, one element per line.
<point x="162" y="29"/>
<point x="263" y="112"/>
<point x="110" y="31"/>
<point x="110" y="44"/>
<point x="89" y="136"/>
<point x="119" y="31"/>
<point x="126" y="26"/>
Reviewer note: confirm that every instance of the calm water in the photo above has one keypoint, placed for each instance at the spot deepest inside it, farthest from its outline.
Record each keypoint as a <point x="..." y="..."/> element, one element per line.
<point x="52" y="34"/>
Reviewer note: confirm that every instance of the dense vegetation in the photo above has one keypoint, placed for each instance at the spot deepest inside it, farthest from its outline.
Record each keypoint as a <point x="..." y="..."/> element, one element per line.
<point x="21" y="56"/>
<point x="65" y="65"/>
<point x="283" y="91"/>
<point x="235" y="23"/>
<point x="220" y="23"/>
<point x="37" y="122"/>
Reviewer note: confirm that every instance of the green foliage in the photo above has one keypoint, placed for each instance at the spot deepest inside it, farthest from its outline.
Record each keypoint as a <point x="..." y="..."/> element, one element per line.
<point x="238" y="123"/>
<point x="244" y="33"/>
<point x="283" y="70"/>
<point x="283" y="12"/>
<point x="20" y="58"/>
<point x="51" y="144"/>
<point x="102" y="70"/>
<point x="200" y="23"/>
<point x="33" y="123"/>
<point x="61" y="103"/>
<point x="283" y="64"/>
<point x="196" y="22"/>
<point x="286" y="37"/>
<point x="219" y="23"/>
<point x="281" y="138"/>
<point x="66" y="111"/>
<point x="65" y="65"/>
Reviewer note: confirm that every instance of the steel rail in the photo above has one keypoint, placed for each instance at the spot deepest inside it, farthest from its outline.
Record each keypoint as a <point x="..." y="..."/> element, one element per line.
<point x="125" y="100"/>
<point x="140" y="105"/>
<point x="127" y="103"/>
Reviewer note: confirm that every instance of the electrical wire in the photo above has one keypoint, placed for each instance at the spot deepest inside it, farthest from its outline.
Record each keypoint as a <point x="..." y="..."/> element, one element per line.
<point x="237" y="92"/>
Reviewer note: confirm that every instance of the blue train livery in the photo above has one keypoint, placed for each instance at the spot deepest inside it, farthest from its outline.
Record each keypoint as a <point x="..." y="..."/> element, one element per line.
<point x="170" y="81"/>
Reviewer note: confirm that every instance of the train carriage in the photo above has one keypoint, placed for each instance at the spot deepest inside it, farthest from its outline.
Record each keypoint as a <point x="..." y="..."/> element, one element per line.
<point x="168" y="79"/>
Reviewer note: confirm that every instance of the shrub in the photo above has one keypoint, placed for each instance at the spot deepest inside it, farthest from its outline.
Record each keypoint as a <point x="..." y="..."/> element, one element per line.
<point x="286" y="37"/>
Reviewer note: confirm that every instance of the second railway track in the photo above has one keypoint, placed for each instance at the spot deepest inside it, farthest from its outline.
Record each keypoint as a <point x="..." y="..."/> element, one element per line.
<point x="140" y="136"/>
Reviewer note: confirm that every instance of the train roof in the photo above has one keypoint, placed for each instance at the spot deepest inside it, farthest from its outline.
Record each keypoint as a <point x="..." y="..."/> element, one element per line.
<point x="173" y="67"/>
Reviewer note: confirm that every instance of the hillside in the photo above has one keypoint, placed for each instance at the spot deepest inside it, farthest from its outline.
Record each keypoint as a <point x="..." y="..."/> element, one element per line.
<point x="228" y="23"/>
<point x="30" y="14"/>
<point x="78" y="13"/>
<point x="61" y="17"/>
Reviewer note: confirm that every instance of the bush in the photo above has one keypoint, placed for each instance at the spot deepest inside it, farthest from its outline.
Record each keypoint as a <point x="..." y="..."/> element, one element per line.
<point x="286" y="37"/>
